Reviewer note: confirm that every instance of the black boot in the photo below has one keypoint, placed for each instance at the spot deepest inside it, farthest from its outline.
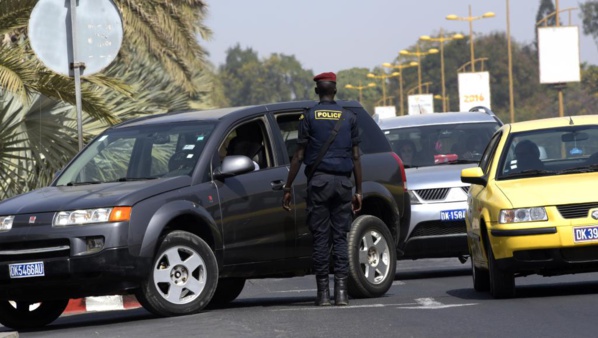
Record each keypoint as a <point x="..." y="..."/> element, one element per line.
<point x="323" y="298"/>
<point x="340" y="291"/>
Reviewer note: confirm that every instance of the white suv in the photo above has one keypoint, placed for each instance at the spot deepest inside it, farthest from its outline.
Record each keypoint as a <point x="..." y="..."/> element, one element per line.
<point x="434" y="148"/>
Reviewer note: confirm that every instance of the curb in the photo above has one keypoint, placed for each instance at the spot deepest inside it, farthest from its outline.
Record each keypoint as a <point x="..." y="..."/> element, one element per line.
<point x="105" y="303"/>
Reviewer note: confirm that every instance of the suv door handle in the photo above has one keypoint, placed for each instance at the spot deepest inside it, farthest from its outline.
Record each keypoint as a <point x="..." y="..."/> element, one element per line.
<point x="277" y="184"/>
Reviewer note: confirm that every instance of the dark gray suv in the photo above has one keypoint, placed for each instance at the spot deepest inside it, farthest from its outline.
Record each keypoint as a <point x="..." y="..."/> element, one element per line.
<point x="180" y="209"/>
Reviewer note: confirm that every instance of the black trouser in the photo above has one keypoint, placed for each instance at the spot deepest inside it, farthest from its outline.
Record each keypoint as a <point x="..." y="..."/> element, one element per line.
<point x="329" y="217"/>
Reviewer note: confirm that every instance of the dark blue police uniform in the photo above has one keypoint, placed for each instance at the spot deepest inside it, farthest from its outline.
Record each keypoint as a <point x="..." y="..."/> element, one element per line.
<point x="330" y="189"/>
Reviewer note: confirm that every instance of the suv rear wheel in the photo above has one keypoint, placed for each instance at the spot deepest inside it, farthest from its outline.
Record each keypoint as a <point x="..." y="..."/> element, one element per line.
<point x="183" y="278"/>
<point x="372" y="258"/>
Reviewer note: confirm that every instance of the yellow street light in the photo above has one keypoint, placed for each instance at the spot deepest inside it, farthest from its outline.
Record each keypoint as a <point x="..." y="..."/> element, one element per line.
<point x="400" y="68"/>
<point x="445" y="100"/>
<point x="441" y="38"/>
<point x="360" y="88"/>
<point x="383" y="77"/>
<point x="419" y="55"/>
<point x="470" y="18"/>
<point x="419" y="88"/>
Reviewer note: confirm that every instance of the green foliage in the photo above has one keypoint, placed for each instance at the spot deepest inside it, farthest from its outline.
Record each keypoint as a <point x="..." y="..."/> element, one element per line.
<point x="249" y="80"/>
<point x="589" y="15"/>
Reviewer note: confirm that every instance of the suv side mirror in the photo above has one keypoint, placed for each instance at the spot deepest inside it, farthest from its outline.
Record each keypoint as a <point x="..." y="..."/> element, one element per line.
<point x="234" y="165"/>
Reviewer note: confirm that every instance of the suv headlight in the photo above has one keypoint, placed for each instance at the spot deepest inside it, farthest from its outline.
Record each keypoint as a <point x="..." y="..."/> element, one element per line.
<point x="6" y="222"/>
<point x="91" y="216"/>
<point x="413" y="198"/>
<point x="523" y="215"/>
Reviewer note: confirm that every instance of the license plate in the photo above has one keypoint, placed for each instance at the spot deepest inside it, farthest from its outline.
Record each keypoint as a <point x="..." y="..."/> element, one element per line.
<point x="585" y="234"/>
<point x="24" y="270"/>
<point x="452" y="215"/>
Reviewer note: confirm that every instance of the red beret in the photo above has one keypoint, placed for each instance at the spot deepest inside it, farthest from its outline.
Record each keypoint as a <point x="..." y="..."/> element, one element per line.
<point x="325" y="77"/>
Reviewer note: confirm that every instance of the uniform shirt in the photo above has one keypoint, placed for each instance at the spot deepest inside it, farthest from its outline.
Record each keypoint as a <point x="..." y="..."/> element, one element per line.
<point x="315" y="129"/>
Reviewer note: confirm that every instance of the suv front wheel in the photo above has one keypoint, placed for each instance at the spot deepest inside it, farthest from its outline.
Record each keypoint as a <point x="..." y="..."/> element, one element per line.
<point x="184" y="276"/>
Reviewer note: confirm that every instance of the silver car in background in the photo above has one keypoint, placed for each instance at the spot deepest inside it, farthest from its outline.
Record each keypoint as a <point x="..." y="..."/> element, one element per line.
<point x="434" y="149"/>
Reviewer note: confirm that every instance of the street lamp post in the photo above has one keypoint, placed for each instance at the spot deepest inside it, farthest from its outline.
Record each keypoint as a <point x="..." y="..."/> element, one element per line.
<point x="400" y="68"/>
<point x="444" y="99"/>
<point x="383" y="77"/>
<point x="360" y="88"/>
<point x="441" y="38"/>
<point x="419" y="55"/>
<point x="470" y="18"/>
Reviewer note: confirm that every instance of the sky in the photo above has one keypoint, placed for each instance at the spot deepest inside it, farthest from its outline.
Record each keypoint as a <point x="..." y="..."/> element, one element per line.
<point x="333" y="35"/>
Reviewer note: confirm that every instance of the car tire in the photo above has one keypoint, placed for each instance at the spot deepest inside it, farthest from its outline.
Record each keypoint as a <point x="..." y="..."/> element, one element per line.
<point x="502" y="283"/>
<point x="183" y="277"/>
<point x="481" y="278"/>
<point x="30" y="315"/>
<point x="228" y="289"/>
<point x="372" y="258"/>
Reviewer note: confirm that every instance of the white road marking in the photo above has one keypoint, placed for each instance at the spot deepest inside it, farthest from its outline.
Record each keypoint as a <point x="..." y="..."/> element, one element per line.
<point x="431" y="304"/>
<point x="420" y="304"/>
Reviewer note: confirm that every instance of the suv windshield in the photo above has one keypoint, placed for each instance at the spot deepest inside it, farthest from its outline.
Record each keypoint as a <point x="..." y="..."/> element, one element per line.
<point x="554" y="151"/>
<point x="138" y="153"/>
<point x="430" y="145"/>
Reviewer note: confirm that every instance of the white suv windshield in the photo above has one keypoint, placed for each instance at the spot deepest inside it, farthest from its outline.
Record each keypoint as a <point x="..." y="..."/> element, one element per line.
<point x="139" y="152"/>
<point x="431" y="145"/>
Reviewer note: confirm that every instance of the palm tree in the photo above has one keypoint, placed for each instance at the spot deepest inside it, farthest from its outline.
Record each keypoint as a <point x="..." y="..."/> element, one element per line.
<point x="166" y="69"/>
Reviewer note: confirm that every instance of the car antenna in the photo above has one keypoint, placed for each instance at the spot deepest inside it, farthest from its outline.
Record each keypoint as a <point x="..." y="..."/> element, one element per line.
<point x="571" y="121"/>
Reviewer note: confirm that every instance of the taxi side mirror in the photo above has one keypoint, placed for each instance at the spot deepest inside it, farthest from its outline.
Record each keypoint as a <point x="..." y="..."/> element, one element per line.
<point x="473" y="175"/>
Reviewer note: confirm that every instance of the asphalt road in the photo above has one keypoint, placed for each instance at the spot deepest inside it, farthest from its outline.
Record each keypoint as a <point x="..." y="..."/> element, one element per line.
<point x="429" y="298"/>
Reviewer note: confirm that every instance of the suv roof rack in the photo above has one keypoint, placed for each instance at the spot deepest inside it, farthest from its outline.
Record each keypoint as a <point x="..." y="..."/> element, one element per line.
<point x="487" y="111"/>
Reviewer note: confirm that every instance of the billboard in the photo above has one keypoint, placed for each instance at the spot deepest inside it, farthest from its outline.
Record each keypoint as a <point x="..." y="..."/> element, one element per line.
<point x="474" y="90"/>
<point x="420" y="104"/>
<point x="558" y="54"/>
<point x="384" y="112"/>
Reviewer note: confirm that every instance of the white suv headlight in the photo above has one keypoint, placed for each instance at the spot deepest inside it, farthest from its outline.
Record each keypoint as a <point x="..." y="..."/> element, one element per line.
<point x="91" y="216"/>
<point x="523" y="215"/>
<point x="413" y="197"/>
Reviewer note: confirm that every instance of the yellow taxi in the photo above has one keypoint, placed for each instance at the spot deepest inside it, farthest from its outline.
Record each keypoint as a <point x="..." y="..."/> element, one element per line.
<point x="532" y="207"/>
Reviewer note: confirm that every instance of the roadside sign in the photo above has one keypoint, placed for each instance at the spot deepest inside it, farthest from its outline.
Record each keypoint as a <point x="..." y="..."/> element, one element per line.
<point x="558" y="54"/>
<point x="474" y="90"/>
<point x="421" y="104"/>
<point x="385" y="111"/>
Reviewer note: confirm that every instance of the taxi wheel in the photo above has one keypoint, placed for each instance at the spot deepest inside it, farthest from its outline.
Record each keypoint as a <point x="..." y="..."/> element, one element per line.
<point x="183" y="278"/>
<point x="481" y="278"/>
<point x="502" y="283"/>
<point x="29" y="315"/>
<point x="372" y="258"/>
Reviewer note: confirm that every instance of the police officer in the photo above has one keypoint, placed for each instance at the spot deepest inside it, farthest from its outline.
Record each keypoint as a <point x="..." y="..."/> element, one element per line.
<point x="330" y="199"/>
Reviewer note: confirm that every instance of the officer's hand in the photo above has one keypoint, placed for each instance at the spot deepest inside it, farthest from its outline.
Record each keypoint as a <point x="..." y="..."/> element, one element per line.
<point x="356" y="203"/>
<point x="286" y="201"/>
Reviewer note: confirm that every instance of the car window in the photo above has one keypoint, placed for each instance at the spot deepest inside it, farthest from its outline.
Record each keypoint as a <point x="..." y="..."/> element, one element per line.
<point x="488" y="155"/>
<point x="550" y="151"/>
<point x="249" y="139"/>
<point x="372" y="141"/>
<point x="442" y="144"/>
